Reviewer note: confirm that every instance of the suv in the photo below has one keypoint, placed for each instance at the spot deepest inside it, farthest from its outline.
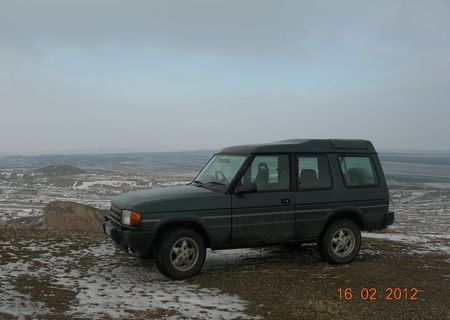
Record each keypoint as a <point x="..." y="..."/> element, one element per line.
<point x="293" y="191"/>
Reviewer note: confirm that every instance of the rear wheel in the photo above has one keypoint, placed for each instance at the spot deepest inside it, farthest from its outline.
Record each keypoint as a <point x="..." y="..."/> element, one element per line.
<point x="341" y="242"/>
<point x="180" y="253"/>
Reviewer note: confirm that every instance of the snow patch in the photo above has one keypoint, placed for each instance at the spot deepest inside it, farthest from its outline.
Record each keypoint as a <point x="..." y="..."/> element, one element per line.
<point x="111" y="284"/>
<point x="85" y="185"/>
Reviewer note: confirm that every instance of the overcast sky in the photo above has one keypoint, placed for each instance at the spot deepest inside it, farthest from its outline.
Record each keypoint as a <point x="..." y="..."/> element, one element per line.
<point x="176" y="75"/>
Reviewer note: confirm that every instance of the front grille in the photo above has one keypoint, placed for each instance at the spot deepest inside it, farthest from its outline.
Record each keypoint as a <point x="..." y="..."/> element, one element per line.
<point x="115" y="214"/>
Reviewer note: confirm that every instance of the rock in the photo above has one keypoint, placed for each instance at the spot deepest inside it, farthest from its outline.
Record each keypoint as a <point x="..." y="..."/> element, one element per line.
<point x="72" y="215"/>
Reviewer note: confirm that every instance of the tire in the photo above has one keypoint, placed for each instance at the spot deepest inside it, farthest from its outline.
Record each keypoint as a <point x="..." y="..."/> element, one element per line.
<point x="180" y="253"/>
<point x="341" y="242"/>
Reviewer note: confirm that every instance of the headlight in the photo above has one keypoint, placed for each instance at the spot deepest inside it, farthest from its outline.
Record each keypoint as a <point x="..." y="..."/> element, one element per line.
<point x="131" y="218"/>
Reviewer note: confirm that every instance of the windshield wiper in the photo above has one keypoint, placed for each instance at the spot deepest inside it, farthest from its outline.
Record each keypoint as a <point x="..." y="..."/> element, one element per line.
<point x="209" y="183"/>
<point x="214" y="183"/>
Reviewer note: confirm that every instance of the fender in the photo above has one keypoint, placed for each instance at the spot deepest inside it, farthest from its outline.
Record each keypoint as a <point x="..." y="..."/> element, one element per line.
<point x="346" y="211"/>
<point x="191" y="218"/>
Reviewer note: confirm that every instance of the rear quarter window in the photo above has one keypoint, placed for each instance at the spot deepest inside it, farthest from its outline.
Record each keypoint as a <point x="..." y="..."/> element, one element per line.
<point x="358" y="171"/>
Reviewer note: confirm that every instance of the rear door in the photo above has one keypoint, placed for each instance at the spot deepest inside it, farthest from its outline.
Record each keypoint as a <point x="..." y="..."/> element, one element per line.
<point x="266" y="215"/>
<point x="315" y="194"/>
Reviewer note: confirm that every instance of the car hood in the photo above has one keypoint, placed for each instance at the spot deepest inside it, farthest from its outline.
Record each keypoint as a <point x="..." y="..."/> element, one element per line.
<point x="171" y="199"/>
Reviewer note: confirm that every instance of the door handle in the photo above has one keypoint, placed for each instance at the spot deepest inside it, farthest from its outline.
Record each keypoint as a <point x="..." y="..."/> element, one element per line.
<point x="285" y="201"/>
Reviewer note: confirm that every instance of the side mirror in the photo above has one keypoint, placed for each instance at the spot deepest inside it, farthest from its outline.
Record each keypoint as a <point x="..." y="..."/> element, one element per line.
<point x="246" y="188"/>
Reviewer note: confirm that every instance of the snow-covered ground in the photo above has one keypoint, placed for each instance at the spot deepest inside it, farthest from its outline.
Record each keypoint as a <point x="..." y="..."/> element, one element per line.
<point x="422" y="210"/>
<point x="20" y="198"/>
<point x="85" y="185"/>
<point x="104" y="282"/>
<point x="96" y="281"/>
<point x="422" y="218"/>
<point x="82" y="275"/>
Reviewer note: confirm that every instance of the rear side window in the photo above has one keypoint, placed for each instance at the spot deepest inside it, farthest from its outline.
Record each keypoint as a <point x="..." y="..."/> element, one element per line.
<point x="313" y="172"/>
<point x="358" y="171"/>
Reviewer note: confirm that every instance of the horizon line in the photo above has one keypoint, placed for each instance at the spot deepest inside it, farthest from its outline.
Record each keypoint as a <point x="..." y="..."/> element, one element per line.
<point x="142" y="151"/>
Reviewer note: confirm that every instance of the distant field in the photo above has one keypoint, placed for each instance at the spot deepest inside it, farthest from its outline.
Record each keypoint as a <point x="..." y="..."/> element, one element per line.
<point x="434" y="158"/>
<point x="177" y="160"/>
<point x="416" y="172"/>
<point x="160" y="162"/>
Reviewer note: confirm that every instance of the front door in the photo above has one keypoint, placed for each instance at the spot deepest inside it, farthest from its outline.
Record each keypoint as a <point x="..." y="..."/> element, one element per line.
<point x="267" y="214"/>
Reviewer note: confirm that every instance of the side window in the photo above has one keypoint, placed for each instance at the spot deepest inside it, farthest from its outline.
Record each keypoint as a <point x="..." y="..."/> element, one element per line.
<point x="313" y="172"/>
<point x="358" y="171"/>
<point x="268" y="172"/>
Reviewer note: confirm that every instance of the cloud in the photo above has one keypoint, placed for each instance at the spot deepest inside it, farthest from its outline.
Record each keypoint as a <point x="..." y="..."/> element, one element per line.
<point x="243" y="27"/>
<point x="210" y="73"/>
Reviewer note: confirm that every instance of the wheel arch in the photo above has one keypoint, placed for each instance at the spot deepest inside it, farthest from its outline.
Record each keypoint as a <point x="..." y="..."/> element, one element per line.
<point x="351" y="213"/>
<point x="185" y="222"/>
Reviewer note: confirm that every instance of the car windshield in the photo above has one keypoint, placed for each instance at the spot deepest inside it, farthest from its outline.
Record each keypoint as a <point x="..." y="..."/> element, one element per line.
<point x="220" y="170"/>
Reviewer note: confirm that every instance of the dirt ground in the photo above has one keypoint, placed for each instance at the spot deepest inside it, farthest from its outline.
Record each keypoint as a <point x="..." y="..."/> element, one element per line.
<point x="296" y="284"/>
<point x="48" y="274"/>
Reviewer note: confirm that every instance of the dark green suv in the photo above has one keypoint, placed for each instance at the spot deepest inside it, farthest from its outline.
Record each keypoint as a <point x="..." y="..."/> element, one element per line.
<point x="293" y="191"/>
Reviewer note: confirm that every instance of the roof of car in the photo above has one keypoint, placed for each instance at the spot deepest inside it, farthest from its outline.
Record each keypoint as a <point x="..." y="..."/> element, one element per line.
<point x="305" y="145"/>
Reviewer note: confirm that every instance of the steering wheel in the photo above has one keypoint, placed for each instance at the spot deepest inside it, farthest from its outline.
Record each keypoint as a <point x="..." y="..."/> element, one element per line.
<point x="221" y="177"/>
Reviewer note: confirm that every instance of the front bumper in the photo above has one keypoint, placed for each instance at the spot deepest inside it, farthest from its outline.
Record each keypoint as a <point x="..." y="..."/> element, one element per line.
<point x="128" y="239"/>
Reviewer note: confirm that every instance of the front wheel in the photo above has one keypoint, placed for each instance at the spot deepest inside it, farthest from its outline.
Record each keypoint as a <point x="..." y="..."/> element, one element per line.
<point x="341" y="242"/>
<point x="180" y="254"/>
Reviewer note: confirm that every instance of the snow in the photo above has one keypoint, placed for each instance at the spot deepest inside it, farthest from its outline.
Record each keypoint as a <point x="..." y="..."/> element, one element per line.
<point x="173" y="183"/>
<point x="437" y="185"/>
<point x="109" y="286"/>
<point x="422" y="219"/>
<point x="20" y="305"/>
<point x="12" y="213"/>
<point x="113" y="283"/>
<point x="104" y="183"/>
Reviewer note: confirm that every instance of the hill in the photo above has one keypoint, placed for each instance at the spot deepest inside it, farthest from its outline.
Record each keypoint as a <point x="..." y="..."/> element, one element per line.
<point x="60" y="170"/>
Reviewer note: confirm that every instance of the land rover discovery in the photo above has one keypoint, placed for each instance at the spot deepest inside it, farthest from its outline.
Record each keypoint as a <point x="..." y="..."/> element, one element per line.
<point x="292" y="191"/>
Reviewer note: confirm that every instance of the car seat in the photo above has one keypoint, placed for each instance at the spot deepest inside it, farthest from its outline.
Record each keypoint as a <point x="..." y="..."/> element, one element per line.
<point x="308" y="178"/>
<point x="262" y="176"/>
